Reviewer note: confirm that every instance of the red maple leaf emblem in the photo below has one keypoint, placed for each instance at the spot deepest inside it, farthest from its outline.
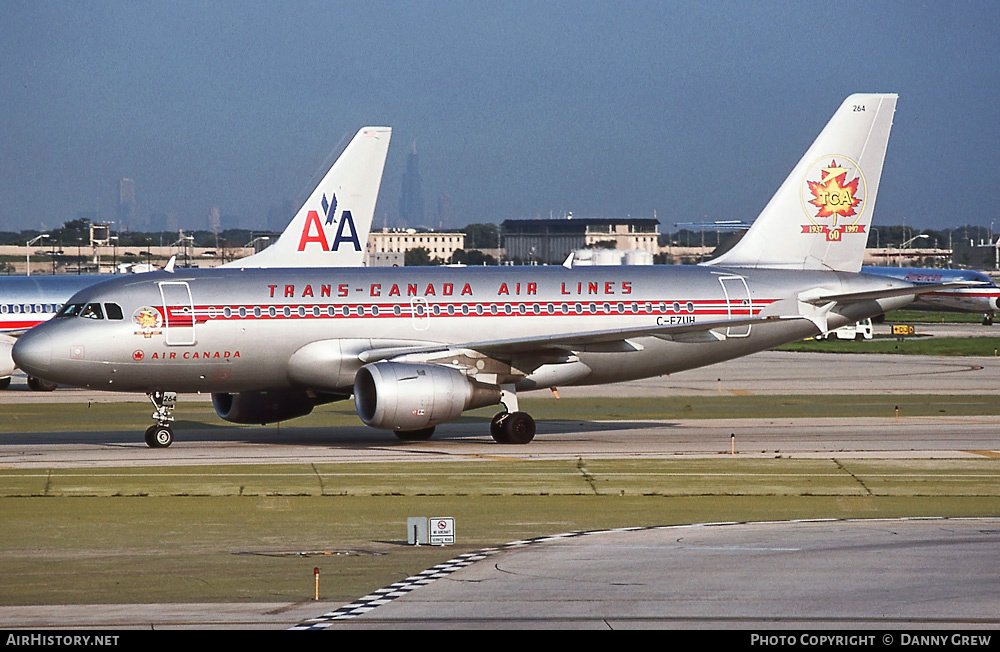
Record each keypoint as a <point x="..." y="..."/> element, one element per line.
<point x="833" y="194"/>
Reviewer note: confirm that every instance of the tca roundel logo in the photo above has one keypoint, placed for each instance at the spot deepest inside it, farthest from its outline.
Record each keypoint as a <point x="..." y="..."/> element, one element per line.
<point x="833" y="193"/>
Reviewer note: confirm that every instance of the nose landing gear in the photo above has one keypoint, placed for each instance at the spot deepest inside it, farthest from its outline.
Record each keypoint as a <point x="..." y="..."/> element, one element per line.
<point x="161" y="434"/>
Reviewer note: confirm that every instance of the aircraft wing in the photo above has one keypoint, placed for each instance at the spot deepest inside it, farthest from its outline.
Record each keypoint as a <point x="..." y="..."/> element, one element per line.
<point x="614" y="339"/>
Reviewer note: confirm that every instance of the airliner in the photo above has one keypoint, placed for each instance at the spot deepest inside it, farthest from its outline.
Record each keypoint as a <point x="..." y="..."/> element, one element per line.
<point x="337" y="217"/>
<point x="27" y="302"/>
<point x="983" y="298"/>
<point x="417" y="347"/>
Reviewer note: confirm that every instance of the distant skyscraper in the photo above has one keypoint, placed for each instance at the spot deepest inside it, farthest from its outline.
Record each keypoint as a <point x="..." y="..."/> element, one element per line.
<point x="444" y="210"/>
<point x="126" y="204"/>
<point x="215" y="220"/>
<point x="411" y="200"/>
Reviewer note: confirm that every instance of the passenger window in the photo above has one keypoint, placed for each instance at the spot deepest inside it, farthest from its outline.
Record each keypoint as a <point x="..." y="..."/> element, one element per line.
<point x="113" y="311"/>
<point x="92" y="311"/>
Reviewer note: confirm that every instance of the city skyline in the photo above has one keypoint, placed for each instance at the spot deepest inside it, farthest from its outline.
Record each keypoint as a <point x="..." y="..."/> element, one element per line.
<point x="680" y="109"/>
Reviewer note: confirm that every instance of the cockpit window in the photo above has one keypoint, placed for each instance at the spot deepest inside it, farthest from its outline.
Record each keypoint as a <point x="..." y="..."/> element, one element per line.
<point x="92" y="311"/>
<point x="113" y="311"/>
<point x="69" y="310"/>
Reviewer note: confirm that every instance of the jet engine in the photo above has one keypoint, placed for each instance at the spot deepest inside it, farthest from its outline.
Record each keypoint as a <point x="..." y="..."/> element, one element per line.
<point x="407" y="396"/>
<point x="268" y="407"/>
<point x="6" y="359"/>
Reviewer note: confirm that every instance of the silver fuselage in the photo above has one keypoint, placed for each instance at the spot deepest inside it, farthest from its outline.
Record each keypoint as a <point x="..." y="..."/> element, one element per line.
<point x="245" y="330"/>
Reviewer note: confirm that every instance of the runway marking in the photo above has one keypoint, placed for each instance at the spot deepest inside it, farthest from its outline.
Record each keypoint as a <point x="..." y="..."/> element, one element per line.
<point x="369" y="602"/>
<point x="991" y="454"/>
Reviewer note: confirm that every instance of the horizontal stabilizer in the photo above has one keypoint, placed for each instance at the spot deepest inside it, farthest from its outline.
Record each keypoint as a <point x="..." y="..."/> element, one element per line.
<point x="817" y="297"/>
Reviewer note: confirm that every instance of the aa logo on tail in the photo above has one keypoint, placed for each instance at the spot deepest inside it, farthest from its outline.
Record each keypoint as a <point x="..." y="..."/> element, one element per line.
<point x="833" y="195"/>
<point x="315" y="231"/>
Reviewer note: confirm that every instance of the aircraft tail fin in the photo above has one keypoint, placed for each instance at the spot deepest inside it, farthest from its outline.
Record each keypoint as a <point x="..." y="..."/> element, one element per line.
<point x="331" y="229"/>
<point x="820" y="216"/>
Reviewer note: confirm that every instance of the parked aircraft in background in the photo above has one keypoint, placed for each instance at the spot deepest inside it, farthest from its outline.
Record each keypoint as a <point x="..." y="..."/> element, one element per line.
<point x="983" y="298"/>
<point x="417" y="347"/>
<point x="330" y="230"/>
<point x="28" y="301"/>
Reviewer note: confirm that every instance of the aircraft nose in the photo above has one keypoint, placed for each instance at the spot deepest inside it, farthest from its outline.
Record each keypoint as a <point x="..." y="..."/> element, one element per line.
<point x="33" y="352"/>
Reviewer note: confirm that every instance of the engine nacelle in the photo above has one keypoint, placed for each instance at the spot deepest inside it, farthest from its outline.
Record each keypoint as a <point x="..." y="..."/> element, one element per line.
<point x="6" y="358"/>
<point x="406" y="396"/>
<point x="267" y="407"/>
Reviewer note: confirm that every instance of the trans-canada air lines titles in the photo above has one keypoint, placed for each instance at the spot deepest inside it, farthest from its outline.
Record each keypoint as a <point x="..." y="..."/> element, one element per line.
<point x="447" y="289"/>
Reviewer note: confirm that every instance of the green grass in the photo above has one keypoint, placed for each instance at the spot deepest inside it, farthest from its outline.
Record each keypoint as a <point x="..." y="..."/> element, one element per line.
<point x="946" y="346"/>
<point x="255" y="533"/>
<point x="930" y="317"/>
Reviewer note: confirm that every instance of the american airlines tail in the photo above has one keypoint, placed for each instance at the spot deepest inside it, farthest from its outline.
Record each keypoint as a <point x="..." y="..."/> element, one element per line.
<point x="820" y="216"/>
<point x="331" y="229"/>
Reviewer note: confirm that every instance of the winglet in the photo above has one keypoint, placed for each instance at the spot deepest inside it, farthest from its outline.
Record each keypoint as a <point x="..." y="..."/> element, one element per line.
<point x="169" y="267"/>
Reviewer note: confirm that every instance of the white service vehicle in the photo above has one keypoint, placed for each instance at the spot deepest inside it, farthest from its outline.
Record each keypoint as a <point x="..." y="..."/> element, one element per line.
<point x="859" y="331"/>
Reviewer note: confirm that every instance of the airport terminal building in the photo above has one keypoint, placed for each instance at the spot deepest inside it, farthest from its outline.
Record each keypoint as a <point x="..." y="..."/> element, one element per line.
<point x="551" y="241"/>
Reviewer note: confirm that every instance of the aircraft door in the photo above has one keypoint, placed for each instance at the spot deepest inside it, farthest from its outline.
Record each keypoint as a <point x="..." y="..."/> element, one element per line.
<point x="738" y="303"/>
<point x="178" y="313"/>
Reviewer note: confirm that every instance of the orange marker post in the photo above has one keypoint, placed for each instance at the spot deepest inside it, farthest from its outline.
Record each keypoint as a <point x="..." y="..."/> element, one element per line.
<point x="316" y="577"/>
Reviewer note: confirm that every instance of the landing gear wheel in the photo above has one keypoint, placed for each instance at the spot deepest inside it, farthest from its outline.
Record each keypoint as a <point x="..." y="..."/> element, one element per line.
<point x="39" y="385"/>
<point x="987" y="319"/>
<point x="513" y="428"/>
<point x="5" y="382"/>
<point x="159" y="436"/>
<point x="496" y="427"/>
<point x="414" y="435"/>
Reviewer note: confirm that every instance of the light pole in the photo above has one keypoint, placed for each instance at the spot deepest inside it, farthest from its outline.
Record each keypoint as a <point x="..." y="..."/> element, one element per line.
<point x="904" y="245"/>
<point x="254" y="241"/>
<point x="27" y="251"/>
<point x="916" y="237"/>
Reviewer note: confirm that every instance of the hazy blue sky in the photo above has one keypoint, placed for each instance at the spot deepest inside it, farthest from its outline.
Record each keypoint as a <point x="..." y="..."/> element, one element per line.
<point x="694" y="110"/>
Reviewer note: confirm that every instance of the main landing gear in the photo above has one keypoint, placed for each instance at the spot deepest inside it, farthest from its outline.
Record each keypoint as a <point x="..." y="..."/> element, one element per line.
<point x="161" y="434"/>
<point x="988" y="319"/>
<point x="511" y="426"/>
